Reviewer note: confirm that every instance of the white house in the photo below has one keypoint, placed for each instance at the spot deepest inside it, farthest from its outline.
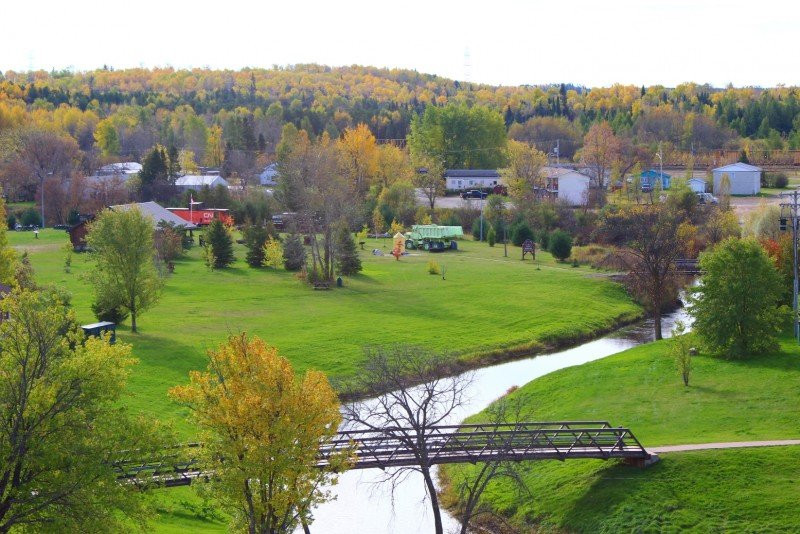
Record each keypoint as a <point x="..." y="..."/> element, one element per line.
<point x="127" y="168"/>
<point x="199" y="181"/>
<point x="697" y="185"/>
<point x="269" y="177"/>
<point x="567" y="185"/>
<point x="460" y="179"/>
<point x="745" y="179"/>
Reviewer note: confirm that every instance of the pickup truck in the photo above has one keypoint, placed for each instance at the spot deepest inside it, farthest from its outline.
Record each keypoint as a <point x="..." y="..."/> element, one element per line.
<point x="474" y="193"/>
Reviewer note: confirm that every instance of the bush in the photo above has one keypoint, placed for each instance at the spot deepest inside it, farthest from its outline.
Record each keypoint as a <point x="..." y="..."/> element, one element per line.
<point x="476" y="229"/>
<point x="105" y="310"/>
<point x="491" y="237"/>
<point x="544" y="239"/>
<point x="780" y="180"/>
<point x="74" y="217"/>
<point x="11" y="221"/>
<point x="31" y="217"/>
<point x="560" y="245"/>
<point x="520" y="232"/>
<point x="433" y="267"/>
<point x="273" y="253"/>
<point x="294" y="253"/>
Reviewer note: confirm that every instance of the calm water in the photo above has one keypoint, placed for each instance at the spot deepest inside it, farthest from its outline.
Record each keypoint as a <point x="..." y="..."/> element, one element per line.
<point x="364" y="505"/>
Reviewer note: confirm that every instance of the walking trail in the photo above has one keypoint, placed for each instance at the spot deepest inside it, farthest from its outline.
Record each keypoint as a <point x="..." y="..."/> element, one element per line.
<point x="723" y="445"/>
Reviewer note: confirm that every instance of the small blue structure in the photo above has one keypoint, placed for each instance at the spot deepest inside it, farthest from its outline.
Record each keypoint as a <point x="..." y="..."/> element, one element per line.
<point x="95" y="329"/>
<point x="650" y="176"/>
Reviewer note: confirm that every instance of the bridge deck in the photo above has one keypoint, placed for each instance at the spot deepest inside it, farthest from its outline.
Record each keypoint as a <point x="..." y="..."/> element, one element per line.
<point x="394" y="447"/>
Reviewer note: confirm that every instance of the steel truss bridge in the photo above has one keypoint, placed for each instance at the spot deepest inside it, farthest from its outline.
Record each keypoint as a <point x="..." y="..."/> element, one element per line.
<point x="395" y="447"/>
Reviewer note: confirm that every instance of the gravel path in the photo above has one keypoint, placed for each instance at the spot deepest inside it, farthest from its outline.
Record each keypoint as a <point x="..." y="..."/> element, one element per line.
<point x="724" y="445"/>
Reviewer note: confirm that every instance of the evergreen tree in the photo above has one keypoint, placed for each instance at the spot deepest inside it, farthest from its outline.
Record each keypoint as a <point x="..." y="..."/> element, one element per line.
<point x="173" y="163"/>
<point x="294" y="253"/>
<point x="255" y="236"/>
<point x="347" y="261"/>
<point x="560" y="245"/>
<point x="221" y="242"/>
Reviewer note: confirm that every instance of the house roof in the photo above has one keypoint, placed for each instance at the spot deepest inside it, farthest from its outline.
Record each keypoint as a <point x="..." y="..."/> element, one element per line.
<point x="157" y="213"/>
<point x="652" y="173"/>
<point x="696" y="180"/>
<point x="471" y="173"/>
<point x="200" y="180"/>
<point x="124" y="167"/>
<point x="558" y="172"/>
<point x="738" y="166"/>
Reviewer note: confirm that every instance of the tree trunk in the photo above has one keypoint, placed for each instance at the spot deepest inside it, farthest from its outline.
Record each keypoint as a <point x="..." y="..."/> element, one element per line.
<point x="657" y="321"/>
<point x="133" y="319"/>
<point x="437" y="514"/>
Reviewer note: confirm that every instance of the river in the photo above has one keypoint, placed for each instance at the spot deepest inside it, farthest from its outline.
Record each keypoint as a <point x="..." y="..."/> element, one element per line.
<point x="363" y="505"/>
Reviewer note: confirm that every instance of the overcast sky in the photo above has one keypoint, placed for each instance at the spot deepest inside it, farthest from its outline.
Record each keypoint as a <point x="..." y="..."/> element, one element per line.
<point x="509" y="42"/>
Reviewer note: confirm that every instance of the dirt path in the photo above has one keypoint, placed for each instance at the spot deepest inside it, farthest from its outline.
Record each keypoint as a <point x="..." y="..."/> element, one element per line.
<point x="723" y="445"/>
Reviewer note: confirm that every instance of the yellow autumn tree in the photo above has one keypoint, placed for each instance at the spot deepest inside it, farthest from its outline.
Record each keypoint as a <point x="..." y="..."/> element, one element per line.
<point x="215" y="150"/>
<point x="360" y="156"/>
<point x="262" y="426"/>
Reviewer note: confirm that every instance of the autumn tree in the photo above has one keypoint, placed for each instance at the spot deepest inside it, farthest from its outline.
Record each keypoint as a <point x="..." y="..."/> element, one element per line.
<point x="429" y="177"/>
<point x="525" y="173"/>
<point x="262" y="426"/>
<point x="63" y="423"/>
<point x="122" y="247"/>
<point x="8" y="257"/>
<point x="360" y="157"/>
<point x="106" y="137"/>
<point x="600" y="150"/>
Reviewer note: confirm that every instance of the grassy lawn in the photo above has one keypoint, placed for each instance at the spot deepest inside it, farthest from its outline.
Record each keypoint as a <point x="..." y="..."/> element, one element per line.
<point x="487" y="305"/>
<point x="757" y="399"/>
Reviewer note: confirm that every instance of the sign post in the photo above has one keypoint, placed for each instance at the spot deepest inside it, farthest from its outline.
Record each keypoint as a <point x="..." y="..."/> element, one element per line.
<point x="528" y="247"/>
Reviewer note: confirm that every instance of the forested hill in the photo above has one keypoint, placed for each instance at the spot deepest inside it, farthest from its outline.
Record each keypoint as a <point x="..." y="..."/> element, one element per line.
<point x="179" y="107"/>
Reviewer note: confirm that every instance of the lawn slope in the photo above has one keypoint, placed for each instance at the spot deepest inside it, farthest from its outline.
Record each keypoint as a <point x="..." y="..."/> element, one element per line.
<point x="726" y="490"/>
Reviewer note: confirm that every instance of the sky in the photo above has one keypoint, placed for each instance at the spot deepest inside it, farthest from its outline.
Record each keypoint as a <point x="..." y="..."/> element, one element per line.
<point x="500" y="42"/>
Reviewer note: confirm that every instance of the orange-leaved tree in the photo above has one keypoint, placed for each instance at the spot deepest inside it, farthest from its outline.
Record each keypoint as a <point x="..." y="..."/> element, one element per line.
<point x="262" y="427"/>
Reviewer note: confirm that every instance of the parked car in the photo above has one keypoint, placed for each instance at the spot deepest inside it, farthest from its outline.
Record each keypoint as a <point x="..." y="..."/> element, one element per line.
<point x="707" y="198"/>
<point x="474" y="193"/>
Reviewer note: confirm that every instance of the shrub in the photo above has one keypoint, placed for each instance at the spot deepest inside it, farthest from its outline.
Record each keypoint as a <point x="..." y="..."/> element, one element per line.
<point x="74" y="217"/>
<point x="294" y="253"/>
<point x="560" y="245"/>
<point x="11" y="221"/>
<point x="273" y="253"/>
<point x="168" y="243"/>
<point x="433" y="267"/>
<point x="780" y="180"/>
<point x="520" y="232"/>
<point x="544" y="239"/>
<point x="221" y="242"/>
<point x="31" y="217"/>
<point x="491" y="237"/>
<point x="106" y="310"/>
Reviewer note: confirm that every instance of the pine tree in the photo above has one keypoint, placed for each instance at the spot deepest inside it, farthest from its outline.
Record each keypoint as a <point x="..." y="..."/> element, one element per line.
<point x="219" y="237"/>
<point x="347" y="261"/>
<point x="255" y="236"/>
<point x="294" y="253"/>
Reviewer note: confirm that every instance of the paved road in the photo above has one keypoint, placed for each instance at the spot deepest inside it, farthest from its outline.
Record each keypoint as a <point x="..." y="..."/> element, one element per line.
<point x="722" y="445"/>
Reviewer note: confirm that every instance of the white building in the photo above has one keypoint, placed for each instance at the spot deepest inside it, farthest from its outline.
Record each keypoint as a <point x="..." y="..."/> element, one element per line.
<point x="745" y="179"/>
<point x="199" y="181"/>
<point x="269" y="177"/>
<point x="567" y="185"/>
<point x="697" y="185"/>
<point x="460" y="179"/>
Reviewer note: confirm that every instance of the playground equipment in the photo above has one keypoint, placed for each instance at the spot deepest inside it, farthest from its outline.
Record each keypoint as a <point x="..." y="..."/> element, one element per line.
<point x="433" y="238"/>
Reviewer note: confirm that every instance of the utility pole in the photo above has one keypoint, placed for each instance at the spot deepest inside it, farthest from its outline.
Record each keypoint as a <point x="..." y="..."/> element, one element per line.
<point x="789" y="213"/>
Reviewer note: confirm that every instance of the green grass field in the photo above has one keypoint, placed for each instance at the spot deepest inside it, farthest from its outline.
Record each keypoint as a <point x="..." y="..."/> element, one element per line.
<point x="744" y="490"/>
<point x="487" y="305"/>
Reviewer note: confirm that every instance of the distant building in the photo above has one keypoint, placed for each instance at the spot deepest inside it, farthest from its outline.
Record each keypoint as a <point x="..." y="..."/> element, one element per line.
<point x="567" y="185"/>
<point x="652" y="176"/>
<point x="745" y="179"/>
<point x="199" y="181"/>
<point x="157" y="213"/>
<point x="460" y="179"/>
<point x="698" y="185"/>
<point x="269" y="176"/>
<point x="127" y="168"/>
